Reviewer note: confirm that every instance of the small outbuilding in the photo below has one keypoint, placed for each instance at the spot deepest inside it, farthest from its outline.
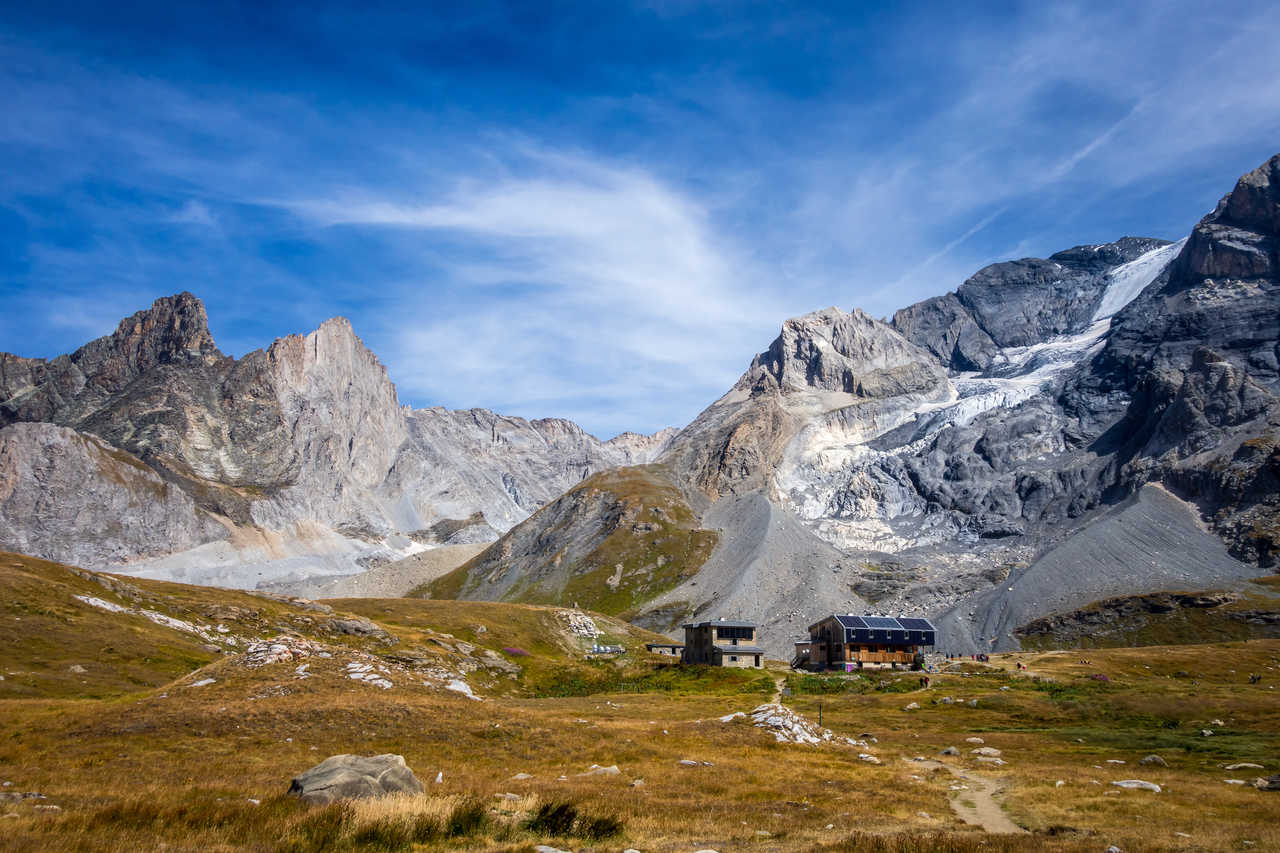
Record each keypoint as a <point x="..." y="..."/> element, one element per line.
<point x="722" y="642"/>
<point x="846" y="641"/>
<point x="673" y="650"/>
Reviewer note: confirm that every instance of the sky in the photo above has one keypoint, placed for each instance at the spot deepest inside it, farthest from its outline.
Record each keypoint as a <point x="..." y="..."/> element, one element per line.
<point x="599" y="211"/>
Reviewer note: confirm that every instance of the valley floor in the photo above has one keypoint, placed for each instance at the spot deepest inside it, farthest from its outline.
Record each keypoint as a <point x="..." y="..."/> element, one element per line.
<point x="136" y="753"/>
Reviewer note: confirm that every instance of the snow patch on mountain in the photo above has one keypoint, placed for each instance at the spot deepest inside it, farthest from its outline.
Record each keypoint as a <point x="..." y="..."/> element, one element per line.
<point x="1126" y="281"/>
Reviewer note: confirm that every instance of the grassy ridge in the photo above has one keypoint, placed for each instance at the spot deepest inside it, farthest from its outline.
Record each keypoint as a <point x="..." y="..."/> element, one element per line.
<point x="642" y="536"/>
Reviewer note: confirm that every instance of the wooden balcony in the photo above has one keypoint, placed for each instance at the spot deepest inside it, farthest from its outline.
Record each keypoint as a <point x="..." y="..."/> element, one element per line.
<point x="881" y="657"/>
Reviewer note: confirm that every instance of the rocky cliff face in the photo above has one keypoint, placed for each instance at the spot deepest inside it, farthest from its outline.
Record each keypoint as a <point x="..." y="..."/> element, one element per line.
<point x="989" y="456"/>
<point x="291" y="461"/>
<point x="73" y="497"/>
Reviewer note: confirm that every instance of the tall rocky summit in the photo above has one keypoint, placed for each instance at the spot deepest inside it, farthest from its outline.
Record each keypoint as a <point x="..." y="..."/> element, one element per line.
<point x="150" y="449"/>
<point x="1056" y="431"/>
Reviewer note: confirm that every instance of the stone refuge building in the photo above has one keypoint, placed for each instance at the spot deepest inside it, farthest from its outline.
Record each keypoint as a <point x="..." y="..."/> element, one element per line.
<point x="722" y="642"/>
<point x="849" y="642"/>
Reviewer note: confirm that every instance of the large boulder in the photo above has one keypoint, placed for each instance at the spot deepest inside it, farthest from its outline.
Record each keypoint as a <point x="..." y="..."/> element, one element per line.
<point x="348" y="777"/>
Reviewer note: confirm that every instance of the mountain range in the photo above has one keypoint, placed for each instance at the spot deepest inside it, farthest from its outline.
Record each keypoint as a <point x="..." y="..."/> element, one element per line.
<point x="1099" y="423"/>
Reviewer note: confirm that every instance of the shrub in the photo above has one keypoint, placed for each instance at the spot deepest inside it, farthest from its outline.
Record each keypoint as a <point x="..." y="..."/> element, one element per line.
<point x="553" y="819"/>
<point x="562" y="819"/>
<point x="467" y="819"/>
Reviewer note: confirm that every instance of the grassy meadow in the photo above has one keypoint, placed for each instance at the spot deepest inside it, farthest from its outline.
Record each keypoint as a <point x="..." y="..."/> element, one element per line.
<point x="136" y="754"/>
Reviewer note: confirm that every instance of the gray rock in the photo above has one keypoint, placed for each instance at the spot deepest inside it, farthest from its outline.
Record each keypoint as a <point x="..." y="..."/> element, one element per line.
<point x="1269" y="783"/>
<point x="951" y="750"/>
<point x="1137" y="783"/>
<point x="1155" y="760"/>
<point x="353" y="777"/>
<point x="597" y="770"/>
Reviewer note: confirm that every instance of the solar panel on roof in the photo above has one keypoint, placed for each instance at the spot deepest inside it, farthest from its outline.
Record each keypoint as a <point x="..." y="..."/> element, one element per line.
<point x="852" y="621"/>
<point x="917" y="624"/>
<point x="881" y="622"/>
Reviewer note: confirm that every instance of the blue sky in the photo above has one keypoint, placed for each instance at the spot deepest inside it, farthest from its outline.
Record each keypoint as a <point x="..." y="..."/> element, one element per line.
<point x="598" y="211"/>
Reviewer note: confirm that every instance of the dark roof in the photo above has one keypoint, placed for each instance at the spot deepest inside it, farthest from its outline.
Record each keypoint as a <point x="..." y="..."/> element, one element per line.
<point x="727" y="623"/>
<point x="664" y="645"/>
<point x="905" y="623"/>
<point x="740" y="650"/>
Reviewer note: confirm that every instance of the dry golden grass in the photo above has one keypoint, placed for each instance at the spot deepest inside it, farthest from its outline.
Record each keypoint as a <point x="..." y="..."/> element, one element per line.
<point x="161" y="764"/>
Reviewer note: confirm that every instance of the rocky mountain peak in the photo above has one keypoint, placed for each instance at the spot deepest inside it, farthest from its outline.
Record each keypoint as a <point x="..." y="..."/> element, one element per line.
<point x="1255" y="201"/>
<point x="174" y="328"/>
<point x="851" y="353"/>
<point x="1240" y="239"/>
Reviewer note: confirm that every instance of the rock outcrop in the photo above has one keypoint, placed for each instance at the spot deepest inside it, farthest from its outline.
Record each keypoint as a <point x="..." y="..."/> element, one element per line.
<point x="71" y="497"/>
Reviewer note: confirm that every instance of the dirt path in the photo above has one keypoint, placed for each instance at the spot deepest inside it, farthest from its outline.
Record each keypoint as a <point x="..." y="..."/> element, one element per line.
<point x="977" y="805"/>
<point x="777" y="693"/>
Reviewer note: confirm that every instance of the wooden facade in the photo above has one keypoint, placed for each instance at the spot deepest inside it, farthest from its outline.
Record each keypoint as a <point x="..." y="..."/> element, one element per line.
<point x="722" y="642"/>
<point x="846" y="641"/>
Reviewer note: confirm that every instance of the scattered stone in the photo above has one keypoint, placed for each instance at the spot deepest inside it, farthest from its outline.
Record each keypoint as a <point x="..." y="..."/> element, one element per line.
<point x="1114" y="761"/>
<point x="1153" y="760"/>
<point x="522" y="776"/>
<point x="457" y="685"/>
<point x="281" y="649"/>
<point x="1059" y="784"/>
<point x="986" y="750"/>
<point x="1243" y="765"/>
<point x="684" y="762"/>
<point x="729" y="718"/>
<point x="1137" y="783"/>
<point x="924" y="815"/>
<point x="440" y="778"/>
<point x="365" y="672"/>
<point x="1234" y="781"/>
<point x="77" y="668"/>
<point x="951" y="750"/>
<point x="580" y="624"/>
<point x="789" y="727"/>
<point x="341" y="777"/>
<point x="867" y="757"/>
<point x="637" y="783"/>
<point x="914" y="706"/>
<point x="946" y="700"/>
<point x="974" y="740"/>
<point x="546" y="848"/>
<point x="597" y="770"/>
<point x="204" y="682"/>
<point x="253" y="802"/>
<point x="987" y="759"/>
<point x="1270" y="783"/>
<point x="47" y="808"/>
<point x="1217" y="724"/>
<point x="972" y="703"/>
<point x="1206" y="733"/>
<point x="509" y="797"/>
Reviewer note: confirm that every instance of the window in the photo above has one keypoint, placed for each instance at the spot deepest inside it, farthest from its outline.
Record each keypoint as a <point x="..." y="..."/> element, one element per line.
<point x="733" y="658"/>
<point x="734" y="632"/>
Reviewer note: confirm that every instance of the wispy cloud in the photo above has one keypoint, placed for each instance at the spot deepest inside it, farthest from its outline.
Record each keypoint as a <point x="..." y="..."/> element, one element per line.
<point x="608" y="220"/>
